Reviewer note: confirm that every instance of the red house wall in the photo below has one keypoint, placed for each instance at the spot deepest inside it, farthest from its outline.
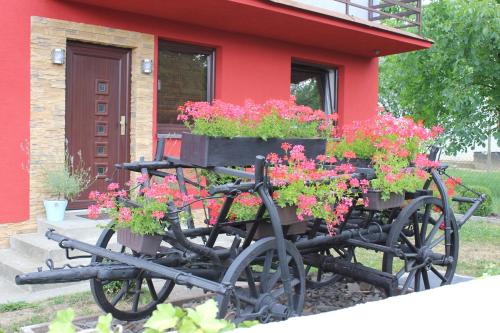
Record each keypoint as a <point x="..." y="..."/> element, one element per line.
<point x="246" y="67"/>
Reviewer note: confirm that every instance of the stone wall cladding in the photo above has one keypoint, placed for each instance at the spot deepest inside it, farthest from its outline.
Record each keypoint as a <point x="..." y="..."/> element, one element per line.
<point x="47" y="101"/>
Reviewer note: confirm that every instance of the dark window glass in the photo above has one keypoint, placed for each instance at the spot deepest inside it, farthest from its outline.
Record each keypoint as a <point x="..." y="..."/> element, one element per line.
<point x="100" y="150"/>
<point x="102" y="108"/>
<point x="102" y="87"/>
<point x="314" y="86"/>
<point x="101" y="129"/>
<point x="101" y="170"/>
<point x="184" y="74"/>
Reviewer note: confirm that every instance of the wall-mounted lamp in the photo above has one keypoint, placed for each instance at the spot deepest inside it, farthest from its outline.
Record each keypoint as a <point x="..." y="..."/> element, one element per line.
<point x="147" y="66"/>
<point x="58" y="56"/>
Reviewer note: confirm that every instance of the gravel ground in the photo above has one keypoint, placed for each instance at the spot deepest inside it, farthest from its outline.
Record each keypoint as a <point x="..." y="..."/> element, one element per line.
<point x="342" y="294"/>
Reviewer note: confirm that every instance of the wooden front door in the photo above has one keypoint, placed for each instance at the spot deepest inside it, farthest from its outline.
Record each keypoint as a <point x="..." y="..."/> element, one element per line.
<point x="98" y="112"/>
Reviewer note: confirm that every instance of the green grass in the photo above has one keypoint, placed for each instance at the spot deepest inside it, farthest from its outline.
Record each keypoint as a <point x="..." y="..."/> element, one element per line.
<point x="70" y="300"/>
<point x="14" y="306"/>
<point x="18" y="314"/>
<point x="480" y="233"/>
<point x="489" y="179"/>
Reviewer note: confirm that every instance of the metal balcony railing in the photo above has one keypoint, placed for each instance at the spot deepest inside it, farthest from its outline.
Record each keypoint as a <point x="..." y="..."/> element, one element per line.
<point x="400" y="14"/>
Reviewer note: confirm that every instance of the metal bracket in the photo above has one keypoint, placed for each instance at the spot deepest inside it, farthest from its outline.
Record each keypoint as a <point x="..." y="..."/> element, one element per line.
<point x="50" y="264"/>
<point x="67" y="249"/>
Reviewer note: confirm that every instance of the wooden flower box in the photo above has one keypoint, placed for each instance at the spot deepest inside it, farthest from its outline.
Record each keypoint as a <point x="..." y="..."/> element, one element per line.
<point x="357" y="162"/>
<point x="417" y="194"/>
<point x="375" y="201"/>
<point x="144" y="244"/>
<point x="289" y="220"/>
<point x="205" y="151"/>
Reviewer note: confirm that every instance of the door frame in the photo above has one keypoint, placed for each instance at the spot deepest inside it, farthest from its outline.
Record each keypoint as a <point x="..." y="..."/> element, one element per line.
<point x="47" y="97"/>
<point x="124" y="102"/>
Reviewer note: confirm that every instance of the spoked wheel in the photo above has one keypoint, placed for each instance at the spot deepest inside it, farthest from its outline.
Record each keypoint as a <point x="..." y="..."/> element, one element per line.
<point x="132" y="299"/>
<point x="258" y="289"/>
<point x="419" y="233"/>
<point x="317" y="278"/>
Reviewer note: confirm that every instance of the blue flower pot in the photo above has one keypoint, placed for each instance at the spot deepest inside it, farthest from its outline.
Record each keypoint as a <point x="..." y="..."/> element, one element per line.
<point x="54" y="209"/>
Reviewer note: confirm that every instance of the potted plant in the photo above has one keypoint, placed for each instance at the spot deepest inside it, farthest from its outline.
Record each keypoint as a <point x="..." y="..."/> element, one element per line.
<point x="304" y="189"/>
<point x="139" y="228"/>
<point x="64" y="183"/>
<point x="224" y="134"/>
<point x="313" y="189"/>
<point x="390" y="145"/>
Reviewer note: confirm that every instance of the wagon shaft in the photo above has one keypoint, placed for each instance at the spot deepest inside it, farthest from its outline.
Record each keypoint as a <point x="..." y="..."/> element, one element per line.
<point x="156" y="269"/>
<point x="115" y="272"/>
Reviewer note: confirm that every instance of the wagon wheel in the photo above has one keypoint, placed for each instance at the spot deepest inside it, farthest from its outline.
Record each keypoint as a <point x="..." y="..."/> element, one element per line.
<point x="317" y="278"/>
<point x="419" y="232"/>
<point x="132" y="299"/>
<point x="258" y="291"/>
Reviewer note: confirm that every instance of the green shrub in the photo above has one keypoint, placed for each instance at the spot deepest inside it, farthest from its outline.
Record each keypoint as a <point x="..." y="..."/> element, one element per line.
<point x="67" y="181"/>
<point x="486" y="207"/>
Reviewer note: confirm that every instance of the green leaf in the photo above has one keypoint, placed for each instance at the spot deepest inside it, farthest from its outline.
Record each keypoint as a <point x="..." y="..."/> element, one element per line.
<point x="186" y="325"/>
<point x="63" y="323"/>
<point x="104" y="324"/>
<point x="207" y="310"/>
<point x="204" y="316"/>
<point x="163" y="318"/>
<point x="248" y="323"/>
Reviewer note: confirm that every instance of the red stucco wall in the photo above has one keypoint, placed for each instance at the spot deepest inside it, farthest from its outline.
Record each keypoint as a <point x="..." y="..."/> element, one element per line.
<point x="246" y="67"/>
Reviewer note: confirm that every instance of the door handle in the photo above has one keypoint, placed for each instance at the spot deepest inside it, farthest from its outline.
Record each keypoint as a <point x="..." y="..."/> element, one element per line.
<point x="123" y="125"/>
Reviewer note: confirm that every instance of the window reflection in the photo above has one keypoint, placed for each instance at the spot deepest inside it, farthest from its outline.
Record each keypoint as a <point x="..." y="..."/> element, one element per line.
<point x="184" y="74"/>
<point x="314" y="86"/>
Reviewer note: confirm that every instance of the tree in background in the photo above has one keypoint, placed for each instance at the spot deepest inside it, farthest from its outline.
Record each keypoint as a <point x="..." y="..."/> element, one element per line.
<point x="455" y="83"/>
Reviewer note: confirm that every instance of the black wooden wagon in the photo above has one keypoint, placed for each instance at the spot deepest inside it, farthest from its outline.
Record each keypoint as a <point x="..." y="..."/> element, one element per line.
<point x="265" y="278"/>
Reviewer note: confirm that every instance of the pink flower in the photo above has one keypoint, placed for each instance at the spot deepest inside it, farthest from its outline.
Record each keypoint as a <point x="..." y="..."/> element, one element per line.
<point x="436" y="130"/>
<point x="94" y="211"/>
<point x="124" y="214"/>
<point x="390" y="178"/>
<point x="297" y="153"/>
<point x="122" y="194"/>
<point x="305" y="204"/>
<point x="349" y="154"/>
<point x="385" y="168"/>
<point x="142" y="179"/>
<point x="158" y="214"/>
<point x="273" y="158"/>
<point x="113" y="186"/>
<point x="332" y="160"/>
<point x="286" y="146"/>
<point x="354" y="182"/>
<point x="93" y="195"/>
<point x="342" y="186"/>
<point x="346" y="168"/>
<point x="321" y="158"/>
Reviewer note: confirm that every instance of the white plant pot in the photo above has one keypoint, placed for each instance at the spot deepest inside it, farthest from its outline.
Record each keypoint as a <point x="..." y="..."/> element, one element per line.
<point x="54" y="209"/>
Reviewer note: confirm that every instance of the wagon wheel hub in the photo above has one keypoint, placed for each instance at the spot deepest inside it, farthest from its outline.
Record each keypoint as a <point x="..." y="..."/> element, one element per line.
<point x="269" y="307"/>
<point x="425" y="255"/>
